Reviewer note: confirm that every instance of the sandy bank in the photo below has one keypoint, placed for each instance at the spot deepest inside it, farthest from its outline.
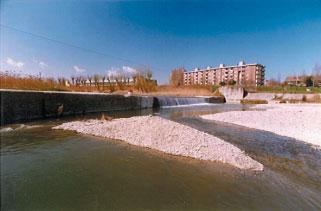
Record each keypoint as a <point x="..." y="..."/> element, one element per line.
<point x="166" y="136"/>
<point x="299" y="121"/>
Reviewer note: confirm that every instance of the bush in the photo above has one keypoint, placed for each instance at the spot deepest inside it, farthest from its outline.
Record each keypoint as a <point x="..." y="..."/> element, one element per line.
<point x="214" y="88"/>
<point x="231" y="83"/>
<point x="222" y="83"/>
<point x="144" y="82"/>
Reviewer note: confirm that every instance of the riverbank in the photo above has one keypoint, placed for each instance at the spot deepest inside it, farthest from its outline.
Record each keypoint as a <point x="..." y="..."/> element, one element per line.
<point x="166" y="136"/>
<point x="299" y="121"/>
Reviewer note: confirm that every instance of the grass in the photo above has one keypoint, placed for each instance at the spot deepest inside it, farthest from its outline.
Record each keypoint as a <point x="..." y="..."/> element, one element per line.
<point x="284" y="89"/>
<point x="248" y="101"/>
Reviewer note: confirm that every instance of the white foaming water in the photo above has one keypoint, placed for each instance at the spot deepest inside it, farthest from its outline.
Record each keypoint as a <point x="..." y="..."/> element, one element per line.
<point x="164" y="101"/>
<point x="189" y="105"/>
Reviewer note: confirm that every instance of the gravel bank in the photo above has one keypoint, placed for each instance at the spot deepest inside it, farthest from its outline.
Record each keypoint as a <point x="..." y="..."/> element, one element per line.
<point x="166" y="136"/>
<point x="299" y="121"/>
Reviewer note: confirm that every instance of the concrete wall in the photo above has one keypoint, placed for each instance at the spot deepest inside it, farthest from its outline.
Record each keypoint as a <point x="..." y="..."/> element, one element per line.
<point x="232" y="94"/>
<point x="29" y="105"/>
<point x="235" y="94"/>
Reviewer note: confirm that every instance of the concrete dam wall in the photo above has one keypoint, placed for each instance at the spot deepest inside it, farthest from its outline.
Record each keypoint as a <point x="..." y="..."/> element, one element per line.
<point x="19" y="106"/>
<point x="23" y="106"/>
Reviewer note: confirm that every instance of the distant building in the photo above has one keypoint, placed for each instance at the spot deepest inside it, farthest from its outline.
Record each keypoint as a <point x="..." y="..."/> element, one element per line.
<point x="295" y="80"/>
<point x="241" y="74"/>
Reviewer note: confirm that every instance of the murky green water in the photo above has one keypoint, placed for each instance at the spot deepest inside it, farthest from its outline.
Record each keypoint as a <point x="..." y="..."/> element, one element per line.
<point x="44" y="169"/>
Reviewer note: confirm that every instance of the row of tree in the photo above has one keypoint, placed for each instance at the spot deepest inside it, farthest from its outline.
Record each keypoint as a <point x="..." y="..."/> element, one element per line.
<point x="115" y="79"/>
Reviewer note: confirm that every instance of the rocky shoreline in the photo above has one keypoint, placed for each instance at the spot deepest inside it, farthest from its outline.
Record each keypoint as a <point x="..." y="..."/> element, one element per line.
<point x="166" y="136"/>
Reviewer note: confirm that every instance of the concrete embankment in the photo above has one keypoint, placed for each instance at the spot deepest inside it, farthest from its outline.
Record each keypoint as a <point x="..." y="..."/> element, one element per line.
<point x="236" y="94"/>
<point x="22" y="106"/>
<point x="232" y="94"/>
<point x="19" y="106"/>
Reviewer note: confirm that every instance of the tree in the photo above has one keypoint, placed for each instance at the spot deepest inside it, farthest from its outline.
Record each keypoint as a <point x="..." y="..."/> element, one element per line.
<point x="177" y="77"/>
<point x="89" y="79"/>
<point x="103" y="78"/>
<point x="96" y="79"/>
<point x="120" y="79"/>
<point x="222" y="83"/>
<point x="309" y="81"/>
<point x="73" y="79"/>
<point x="231" y="82"/>
<point x="143" y="80"/>
<point x="111" y="80"/>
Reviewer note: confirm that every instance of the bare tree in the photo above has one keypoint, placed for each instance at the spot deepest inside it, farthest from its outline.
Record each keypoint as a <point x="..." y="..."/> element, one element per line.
<point x="103" y="78"/>
<point x="143" y="80"/>
<point x="177" y="77"/>
<point x="120" y="79"/>
<point x="89" y="77"/>
<point x="96" y="79"/>
<point x="111" y="80"/>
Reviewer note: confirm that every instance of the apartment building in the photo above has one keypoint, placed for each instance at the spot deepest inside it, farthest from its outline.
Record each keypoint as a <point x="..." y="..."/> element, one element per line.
<point x="241" y="74"/>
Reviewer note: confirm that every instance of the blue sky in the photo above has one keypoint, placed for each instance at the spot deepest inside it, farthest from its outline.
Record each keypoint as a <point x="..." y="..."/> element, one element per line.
<point x="285" y="36"/>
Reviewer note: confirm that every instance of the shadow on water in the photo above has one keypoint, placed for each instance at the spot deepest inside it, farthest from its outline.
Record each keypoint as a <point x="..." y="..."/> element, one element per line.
<point x="45" y="169"/>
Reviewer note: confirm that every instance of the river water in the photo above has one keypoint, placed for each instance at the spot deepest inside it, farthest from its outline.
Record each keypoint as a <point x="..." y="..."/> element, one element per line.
<point x="45" y="169"/>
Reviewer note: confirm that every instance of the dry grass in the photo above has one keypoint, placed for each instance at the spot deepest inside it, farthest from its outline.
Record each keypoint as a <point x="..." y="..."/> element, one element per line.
<point x="183" y="91"/>
<point x="50" y="84"/>
<point x="30" y="83"/>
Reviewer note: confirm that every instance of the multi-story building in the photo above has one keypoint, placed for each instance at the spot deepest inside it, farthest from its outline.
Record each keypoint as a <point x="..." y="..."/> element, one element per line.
<point x="241" y="74"/>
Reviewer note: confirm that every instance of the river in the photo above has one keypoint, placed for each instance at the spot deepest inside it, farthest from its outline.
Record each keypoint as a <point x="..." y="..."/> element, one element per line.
<point x="45" y="169"/>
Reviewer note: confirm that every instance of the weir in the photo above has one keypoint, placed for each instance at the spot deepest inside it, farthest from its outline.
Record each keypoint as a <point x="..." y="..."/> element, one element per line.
<point x="167" y="101"/>
<point x="24" y="106"/>
<point x="177" y="101"/>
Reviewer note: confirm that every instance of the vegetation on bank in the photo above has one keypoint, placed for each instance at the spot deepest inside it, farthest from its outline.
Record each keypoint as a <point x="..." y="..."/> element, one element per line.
<point x="284" y="89"/>
<point x="314" y="99"/>
<point x="31" y="83"/>
<point x="256" y="101"/>
<point x="140" y="82"/>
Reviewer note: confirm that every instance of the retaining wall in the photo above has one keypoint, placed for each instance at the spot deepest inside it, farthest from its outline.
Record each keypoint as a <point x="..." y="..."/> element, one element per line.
<point x="19" y="106"/>
<point x="232" y="94"/>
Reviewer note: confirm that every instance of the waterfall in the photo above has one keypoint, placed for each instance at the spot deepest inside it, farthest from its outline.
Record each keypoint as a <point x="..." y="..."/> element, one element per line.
<point x="164" y="101"/>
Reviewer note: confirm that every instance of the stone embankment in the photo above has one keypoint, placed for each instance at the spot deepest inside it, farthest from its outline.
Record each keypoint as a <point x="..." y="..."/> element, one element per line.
<point x="167" y="136"/>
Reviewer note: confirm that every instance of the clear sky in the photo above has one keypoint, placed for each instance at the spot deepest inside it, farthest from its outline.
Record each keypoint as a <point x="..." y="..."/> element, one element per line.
<point x="285" y="36"/>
